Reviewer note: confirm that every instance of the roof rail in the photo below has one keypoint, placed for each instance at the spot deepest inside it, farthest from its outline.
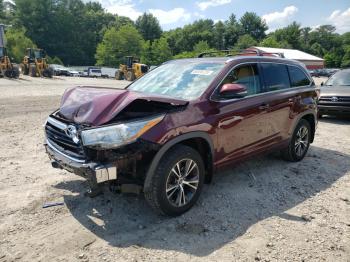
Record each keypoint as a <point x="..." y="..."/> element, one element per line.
<point x="256" y="52"/>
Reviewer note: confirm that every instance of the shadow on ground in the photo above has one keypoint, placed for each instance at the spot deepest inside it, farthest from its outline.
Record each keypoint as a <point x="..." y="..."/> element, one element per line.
<point x="237" y="199"/>
<point x="339" y="120"/>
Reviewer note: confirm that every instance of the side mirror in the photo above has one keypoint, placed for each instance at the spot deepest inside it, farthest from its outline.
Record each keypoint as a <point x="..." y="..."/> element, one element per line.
<point x="233" y="90"/>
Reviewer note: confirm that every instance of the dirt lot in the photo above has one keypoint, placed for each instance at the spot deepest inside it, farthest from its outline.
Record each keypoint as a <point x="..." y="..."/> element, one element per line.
<point x="289" y="212"/>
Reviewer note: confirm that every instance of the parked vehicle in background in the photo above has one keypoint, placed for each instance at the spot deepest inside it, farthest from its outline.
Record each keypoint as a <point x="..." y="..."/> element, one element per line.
<point x="59" y="70"/>
<point x="326" y="72"/>
<point x="168" y="132"/>
<point x="108" y="72"/>
<point x="314" y="73"/>
<point x="35" y="63"/>
<point x="83" y="73"/>
<point x="131" y="70"/>
<point x="73" y="72"/>
<point x="94" y="72"/>
<point x="7" y="68"/>
<point x="335" y="95"/>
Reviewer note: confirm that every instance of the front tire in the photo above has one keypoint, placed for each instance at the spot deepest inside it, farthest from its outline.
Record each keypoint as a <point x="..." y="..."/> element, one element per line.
<point x="177" y="181"/>
<point x="299" y="143"/>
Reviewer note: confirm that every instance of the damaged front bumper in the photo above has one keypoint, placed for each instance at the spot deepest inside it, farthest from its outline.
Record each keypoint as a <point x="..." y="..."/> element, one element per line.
<point x="95" y="173"/>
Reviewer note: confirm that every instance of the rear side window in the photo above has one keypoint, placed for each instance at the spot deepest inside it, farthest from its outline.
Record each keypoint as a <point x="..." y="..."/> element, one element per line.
<point x="275" y="76"/>
<point x="297" y="77"/>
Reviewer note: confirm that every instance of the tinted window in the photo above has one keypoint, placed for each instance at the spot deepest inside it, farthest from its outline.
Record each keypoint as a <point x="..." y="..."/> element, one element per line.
<point x="275" y="76"/>
<point x="297" y="77"/>
<point x="246" y="75"/>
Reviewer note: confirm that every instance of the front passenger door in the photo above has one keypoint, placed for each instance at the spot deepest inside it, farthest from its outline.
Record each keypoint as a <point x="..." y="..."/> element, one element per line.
<point x="241" y="121"/>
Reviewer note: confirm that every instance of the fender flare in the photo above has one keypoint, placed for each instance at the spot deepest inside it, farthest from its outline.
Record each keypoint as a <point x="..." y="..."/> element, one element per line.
<point x="168" y="145"/>
<point x="300" y="116"/>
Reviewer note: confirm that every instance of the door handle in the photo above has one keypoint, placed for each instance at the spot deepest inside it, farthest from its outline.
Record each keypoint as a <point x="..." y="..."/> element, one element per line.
<point x="264" y="106"/>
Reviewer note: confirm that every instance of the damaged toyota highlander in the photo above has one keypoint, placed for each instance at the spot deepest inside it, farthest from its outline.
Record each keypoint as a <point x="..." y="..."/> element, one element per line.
<point x="168" y="132"/>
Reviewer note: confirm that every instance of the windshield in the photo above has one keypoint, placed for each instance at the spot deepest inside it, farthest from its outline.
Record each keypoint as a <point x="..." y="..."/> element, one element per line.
<point x="341" y="78"/>
<point x="185" y="80"/>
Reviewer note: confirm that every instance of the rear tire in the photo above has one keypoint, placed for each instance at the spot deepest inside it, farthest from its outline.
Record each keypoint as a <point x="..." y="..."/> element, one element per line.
<point x="48" y="72"/>
<point x="299" y="143"/>
<point x="130" y="76"/>
<point x="32" y="71"/>
<point x="119" y="75"/>
<point x="177" y="181"/>
<point x="24" y="69"/>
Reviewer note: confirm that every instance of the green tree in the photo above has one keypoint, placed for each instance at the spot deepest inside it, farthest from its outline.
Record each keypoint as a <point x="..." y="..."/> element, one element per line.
<point x="185" y="54"/>
<point x="116" y="44"/>
<point x="219" y="35"/>
<point x="245" y="41"/>
<point x="201" y="47"/>
<point x="271" y="41"/>
<point x="17" y="43"/>
<point x="346" y="59"/>
<point x="156" y="52"/>
<point x="68" y="29"/>
<point x="148" y="26"/>
<point x="252" y="24"/>
<point x="2" y="12"/>
<point x="232" y="32"/>
<point x="290" y="35"/>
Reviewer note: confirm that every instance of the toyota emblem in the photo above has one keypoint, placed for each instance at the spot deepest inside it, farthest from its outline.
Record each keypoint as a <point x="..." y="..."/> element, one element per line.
<point x="71" y="131"/>
<point x="334" y="99"/>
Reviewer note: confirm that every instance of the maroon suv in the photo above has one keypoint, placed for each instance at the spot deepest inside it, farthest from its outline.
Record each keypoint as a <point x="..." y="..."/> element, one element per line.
<point x="169" y="131"/>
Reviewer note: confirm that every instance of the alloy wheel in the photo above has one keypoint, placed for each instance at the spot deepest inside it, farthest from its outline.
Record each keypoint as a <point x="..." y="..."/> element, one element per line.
<point x="182" y="182"/>
<point x="301" y="141"/>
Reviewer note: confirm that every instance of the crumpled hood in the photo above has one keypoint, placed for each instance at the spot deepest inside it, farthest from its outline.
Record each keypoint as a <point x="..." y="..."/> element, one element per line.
<point x="96" y="106"/>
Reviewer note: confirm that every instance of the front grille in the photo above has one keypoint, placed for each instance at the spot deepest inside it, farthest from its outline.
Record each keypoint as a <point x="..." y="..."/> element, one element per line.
<point x="57" y="136"/>
<point x="335" y="100"/>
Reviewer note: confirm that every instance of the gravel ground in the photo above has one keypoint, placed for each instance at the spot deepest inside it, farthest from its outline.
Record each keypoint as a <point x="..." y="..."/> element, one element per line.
<point x="263" y="209"/>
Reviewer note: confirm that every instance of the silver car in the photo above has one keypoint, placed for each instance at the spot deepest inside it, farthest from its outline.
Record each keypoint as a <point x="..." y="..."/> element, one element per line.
<point x="335" y="95"/>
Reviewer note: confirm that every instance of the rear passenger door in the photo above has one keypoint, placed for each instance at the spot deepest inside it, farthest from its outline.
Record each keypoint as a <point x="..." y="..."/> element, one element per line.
<point x="280" y="99"/>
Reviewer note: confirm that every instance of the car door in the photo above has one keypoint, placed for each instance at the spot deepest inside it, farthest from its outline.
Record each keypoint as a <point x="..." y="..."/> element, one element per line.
<point x="241" y="121"/>
<point x="279" y="99"/>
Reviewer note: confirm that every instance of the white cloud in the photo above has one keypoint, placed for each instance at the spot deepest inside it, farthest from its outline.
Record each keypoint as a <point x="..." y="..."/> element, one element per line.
<point x="341" y="20"/>
<point x="206" y="4"/>
<point x="171" y="16"/>
<point x="277" y="20"/>
<point x="122" y="8"/>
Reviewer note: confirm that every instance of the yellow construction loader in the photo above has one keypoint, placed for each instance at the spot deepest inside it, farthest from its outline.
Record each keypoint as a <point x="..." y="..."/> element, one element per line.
<point x="6" y="67"/>
<point x="35" y="64"/>
<point x="132" y="69"/>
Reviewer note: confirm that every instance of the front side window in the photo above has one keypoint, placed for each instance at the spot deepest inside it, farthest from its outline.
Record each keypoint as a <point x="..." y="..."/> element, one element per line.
<point x="275" y="76"/>
<point x="246" y="75"/>
<point x="297" y="77"/>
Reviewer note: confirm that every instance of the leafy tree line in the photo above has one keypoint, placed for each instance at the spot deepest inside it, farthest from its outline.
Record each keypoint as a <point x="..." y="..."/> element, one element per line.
<point x="81" y="33"/>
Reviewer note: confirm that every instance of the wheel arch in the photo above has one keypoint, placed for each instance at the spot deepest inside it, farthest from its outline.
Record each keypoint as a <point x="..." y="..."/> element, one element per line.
<point x="200" y="141"/>
<point x="309" y="116"/>
<point x="312" y="121"/>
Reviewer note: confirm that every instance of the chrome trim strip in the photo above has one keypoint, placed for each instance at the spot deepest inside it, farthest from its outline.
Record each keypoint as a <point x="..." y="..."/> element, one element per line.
<point x="56" y="123"/>
<point x="63" y="154"/>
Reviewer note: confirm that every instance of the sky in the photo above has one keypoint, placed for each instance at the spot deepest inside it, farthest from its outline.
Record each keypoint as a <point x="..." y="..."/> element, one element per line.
<point x="277" y="14"/>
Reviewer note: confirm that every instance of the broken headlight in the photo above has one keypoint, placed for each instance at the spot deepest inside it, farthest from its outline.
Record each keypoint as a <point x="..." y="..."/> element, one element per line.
<point x="117" y="135"/>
